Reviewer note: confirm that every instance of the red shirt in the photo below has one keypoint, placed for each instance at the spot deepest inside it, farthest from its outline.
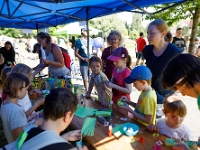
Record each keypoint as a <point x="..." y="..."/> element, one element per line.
<point x="108" y="65"/>
<point x="140" y="44"/>
<point x="118" y="79"/>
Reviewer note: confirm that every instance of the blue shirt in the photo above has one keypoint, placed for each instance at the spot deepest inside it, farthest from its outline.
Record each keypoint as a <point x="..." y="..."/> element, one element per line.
<point x="81" y="46"/>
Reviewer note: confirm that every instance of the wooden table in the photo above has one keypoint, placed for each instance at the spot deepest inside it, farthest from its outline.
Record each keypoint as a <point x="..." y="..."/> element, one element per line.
<point x="101" y="141"/>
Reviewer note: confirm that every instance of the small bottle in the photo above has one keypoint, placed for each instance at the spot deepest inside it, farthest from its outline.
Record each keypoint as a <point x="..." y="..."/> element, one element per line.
<point x="110" y="130"/>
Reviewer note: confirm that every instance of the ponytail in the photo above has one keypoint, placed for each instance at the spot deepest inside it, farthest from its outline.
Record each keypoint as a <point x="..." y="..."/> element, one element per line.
<point x="129" y="62"/>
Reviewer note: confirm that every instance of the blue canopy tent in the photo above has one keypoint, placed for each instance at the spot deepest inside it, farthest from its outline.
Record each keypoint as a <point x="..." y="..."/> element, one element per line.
<point x="35" y="14"/>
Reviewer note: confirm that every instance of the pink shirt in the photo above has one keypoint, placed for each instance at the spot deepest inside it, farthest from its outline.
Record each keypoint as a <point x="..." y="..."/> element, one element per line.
<point x="118" y="79"/>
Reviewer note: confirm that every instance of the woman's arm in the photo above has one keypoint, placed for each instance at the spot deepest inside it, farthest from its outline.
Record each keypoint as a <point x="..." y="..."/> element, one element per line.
<point x="39" y="68"/>
<point x="57" y="54"/>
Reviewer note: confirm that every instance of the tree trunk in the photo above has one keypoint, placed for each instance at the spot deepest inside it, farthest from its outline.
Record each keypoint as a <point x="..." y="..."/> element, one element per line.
<point x="194" y="29"/>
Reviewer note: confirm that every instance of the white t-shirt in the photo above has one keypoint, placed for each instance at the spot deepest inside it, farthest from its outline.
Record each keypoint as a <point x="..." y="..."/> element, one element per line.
<point x="25" y="103"/>
<point x="12" y="117"/>
<point x="181" y="133"/>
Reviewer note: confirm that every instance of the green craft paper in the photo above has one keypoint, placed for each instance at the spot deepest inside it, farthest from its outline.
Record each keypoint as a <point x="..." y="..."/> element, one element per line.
<point x="21" y="139"/>
<point x="88" y="126"/>
<point x="198" y="102"/>
<point x="103" y="113"/>
<point x="118" y="130"/>
<point x="83" y="112"/>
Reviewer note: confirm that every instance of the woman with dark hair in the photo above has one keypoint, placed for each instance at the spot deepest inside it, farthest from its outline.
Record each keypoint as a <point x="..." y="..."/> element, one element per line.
<point x="51" y="57"/>
<point x="182" y="73"/>
<point x="7" y="55"/>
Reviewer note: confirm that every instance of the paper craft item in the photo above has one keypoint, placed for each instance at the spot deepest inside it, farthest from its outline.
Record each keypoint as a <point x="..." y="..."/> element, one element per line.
<point x="103" y="113"/>
<point x="120" y="103"/>
<point x="198" y="101"/>
<point x="118" y="130"/>
<point x="83" y="112"/>
<point x="172" y="142"/>
<point x="88" y="126"/>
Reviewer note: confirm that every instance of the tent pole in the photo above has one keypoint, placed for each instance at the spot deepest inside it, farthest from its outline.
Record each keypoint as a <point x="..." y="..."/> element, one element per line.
<point x="37" y="27"/>
<point x="88" y="40"/>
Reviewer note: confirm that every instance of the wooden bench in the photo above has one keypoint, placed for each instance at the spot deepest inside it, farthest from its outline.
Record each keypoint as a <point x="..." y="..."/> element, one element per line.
<point x="101" y="141"/>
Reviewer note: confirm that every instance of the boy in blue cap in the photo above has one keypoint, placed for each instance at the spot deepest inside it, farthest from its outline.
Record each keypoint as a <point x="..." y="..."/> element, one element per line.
<point x="145" y="108"/>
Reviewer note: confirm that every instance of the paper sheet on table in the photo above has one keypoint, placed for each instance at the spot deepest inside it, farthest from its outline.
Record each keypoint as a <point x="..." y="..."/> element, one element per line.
<point x="118" y="130"/>
<point x="83" y="112"/>
<point x="103" y="113"/>
<point x="89" y="126"/>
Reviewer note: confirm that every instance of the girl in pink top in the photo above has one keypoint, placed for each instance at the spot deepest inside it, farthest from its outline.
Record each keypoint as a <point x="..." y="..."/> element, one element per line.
<point x="122" y="62"/>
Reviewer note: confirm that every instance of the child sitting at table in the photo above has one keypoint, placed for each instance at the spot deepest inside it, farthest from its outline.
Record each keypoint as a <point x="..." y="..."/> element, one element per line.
<point x="25" y="103"/>
<point x="145" y="109"/>
<point x="4" y="74"/>
<point x="98" y="78"/>
<point x="171" y="126"/>
<point x="12" y="115"/>
<point x="122" y="61"/>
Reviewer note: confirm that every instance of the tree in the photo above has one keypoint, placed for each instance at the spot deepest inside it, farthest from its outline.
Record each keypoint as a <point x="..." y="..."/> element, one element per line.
<point x="189" y="9"/>
<point x="15" y="33"/>
<point x="137" y="24"/>
<point x="108" y="23"/>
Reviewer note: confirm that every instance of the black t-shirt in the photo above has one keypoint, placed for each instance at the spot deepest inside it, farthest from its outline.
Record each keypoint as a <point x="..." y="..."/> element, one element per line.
<point x="180" y="42"/>
<point x="59" y="146"/>
<point x="8" y="55"/>
<point x="157" y="64"/>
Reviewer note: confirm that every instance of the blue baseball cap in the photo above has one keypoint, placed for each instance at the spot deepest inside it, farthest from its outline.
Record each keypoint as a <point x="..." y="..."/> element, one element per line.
<point x="139" y="73"/>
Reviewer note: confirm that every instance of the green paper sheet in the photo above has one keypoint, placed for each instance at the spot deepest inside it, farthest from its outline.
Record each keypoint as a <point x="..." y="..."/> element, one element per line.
<point x="103" y="113"/>
<point x="83" y="112"/>
<point x="88" y="126"/>
<point x="118" y="130"/>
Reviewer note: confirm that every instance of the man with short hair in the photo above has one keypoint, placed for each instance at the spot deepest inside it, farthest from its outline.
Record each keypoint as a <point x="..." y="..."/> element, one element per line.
<point x="140" y="45"/>
<point x="178" y="40"/>
<point x="59" y="107"/>
<point x="81" y="53"/>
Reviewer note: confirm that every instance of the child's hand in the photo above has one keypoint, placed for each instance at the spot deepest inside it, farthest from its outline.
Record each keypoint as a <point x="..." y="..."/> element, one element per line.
<point x="38" y="121"/>
<point x="40" y="101"/>
<point x="110" y="84"/>
<point x="152" y="127"/>
<point x="125" y="99"/>
<point x="126" y="106"/>
<point x="87" y="96"/>
<point x="72" y="135"/>
<point x="37" y="91"/>
<point x="82" y="148"/>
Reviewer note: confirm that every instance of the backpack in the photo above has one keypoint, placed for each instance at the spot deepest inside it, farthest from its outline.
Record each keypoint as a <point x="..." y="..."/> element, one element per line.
<point x="66" y="57"/>
<point x="39" y="141"/>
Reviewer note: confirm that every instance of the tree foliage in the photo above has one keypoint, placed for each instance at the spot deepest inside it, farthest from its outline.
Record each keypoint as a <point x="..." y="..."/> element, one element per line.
<point x="15" y="33"/>
<point x="136" y="27"/>
<point x="108" y="23"/>
<point x="189" y="9"/>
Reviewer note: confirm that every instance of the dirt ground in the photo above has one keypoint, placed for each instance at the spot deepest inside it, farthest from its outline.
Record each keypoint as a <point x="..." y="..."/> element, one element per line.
<point x="192" y="120"/>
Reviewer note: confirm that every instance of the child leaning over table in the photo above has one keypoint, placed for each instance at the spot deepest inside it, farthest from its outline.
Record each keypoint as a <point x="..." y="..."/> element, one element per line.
<point x="171" y="126"/>
<point x="98" y="78"/>
<point x="145" y="108"/>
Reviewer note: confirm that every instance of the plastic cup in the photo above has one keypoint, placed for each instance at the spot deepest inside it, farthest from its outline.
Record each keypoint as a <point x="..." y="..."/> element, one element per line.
<point x="76" y="89"/>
